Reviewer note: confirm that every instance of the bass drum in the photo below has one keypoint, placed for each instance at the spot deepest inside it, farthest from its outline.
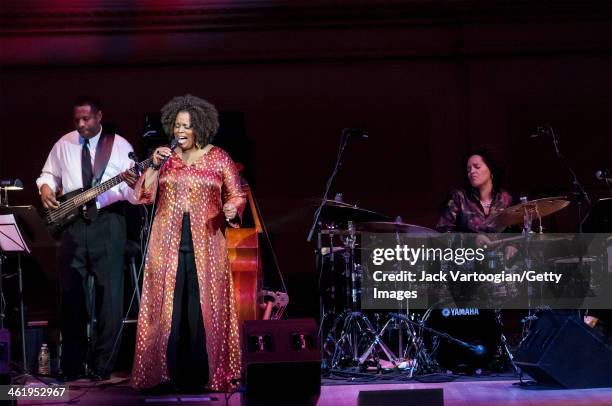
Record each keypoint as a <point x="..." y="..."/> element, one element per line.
<point x="478" y="328"/>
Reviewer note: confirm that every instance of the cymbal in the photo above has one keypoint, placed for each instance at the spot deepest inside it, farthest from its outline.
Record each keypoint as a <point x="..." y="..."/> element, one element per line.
<point x="342" y="212"/>
<point x="532" y="238"/>
<point x="393" y="227"/>
<point x="540" y="207"/>
<point x="572" y="260"/>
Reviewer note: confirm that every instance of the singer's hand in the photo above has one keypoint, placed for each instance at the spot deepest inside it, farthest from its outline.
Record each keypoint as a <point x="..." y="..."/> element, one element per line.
<point x="160" y="154"/>
<point x="47" y="197"/>
<point x="230" y="211"/>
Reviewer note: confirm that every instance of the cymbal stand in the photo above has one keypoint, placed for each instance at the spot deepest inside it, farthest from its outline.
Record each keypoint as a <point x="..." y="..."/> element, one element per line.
<point x="503" y="350"/>
<point x="580" y="191"/>
<point x="413" y="339"/>
<point x="410" y="332"/>
<point x="324" y="313"/>
<point x="527" y="220"/>
<point x="528" y="234"/>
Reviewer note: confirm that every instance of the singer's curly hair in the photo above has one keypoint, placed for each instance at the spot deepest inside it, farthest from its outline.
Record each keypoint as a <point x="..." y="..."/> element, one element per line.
<point x="202" y="114"/>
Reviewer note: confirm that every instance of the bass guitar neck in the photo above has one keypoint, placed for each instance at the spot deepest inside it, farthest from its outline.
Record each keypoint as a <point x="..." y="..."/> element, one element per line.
<point x="71" y="204"/>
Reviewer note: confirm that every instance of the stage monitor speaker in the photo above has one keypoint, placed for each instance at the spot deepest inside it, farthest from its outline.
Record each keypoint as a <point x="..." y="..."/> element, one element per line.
<point x="404" y="397"/>
<point x="282" y="362"/>
<point x="563" y="351"/>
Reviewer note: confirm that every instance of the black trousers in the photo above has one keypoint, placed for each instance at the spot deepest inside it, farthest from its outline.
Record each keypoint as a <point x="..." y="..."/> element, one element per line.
<point x="94" y="248"/>
<point x="187" y="356"/>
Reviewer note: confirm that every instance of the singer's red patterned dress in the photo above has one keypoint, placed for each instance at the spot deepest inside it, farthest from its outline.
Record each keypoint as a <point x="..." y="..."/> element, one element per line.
<point x="200" y="189"/>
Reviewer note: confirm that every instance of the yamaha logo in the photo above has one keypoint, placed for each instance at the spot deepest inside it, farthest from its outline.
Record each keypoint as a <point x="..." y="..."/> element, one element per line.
<point x="469" y="311"/>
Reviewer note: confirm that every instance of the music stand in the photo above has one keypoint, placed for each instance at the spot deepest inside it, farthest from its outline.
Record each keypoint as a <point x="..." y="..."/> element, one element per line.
<point x="32" y="227"/>
<point x="12" y="241"/>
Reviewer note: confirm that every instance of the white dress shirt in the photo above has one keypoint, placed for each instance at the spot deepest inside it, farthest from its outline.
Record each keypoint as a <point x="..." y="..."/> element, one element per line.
<point x="62" y="171"/>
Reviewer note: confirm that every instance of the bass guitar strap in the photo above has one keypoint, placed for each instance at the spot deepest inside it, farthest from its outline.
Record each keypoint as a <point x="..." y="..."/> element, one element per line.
<point x="103" y="153"/>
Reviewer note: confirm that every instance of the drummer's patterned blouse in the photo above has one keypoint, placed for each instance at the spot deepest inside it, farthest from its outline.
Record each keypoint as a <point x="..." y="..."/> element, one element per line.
<point x="464" y="213"/>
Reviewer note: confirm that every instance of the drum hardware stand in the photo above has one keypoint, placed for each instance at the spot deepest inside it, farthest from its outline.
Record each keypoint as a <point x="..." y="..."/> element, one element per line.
<point x="420" y="358"/>
<point x="351" y="268"/>
<point x="527" y="233"/>
<point x="377" y="342"/>
<point x="413" y="341"/>
<point x="503" y="350"/>
<point x="394" y="324"/>
<point x="325" y="342"/>
<point x="325" y="313"/>
<point x="355" y="325"/>
<point x="328" y="339"/>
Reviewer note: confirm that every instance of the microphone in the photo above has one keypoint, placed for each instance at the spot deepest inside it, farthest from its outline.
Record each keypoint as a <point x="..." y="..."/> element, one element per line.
<point x="173" y="145"/>
<point x="478" y="350"/>
<point x="137" y="168"/>
<point x="356" y="132"/>
<point x="539" y="131"/>
<point x="603" y="174"/>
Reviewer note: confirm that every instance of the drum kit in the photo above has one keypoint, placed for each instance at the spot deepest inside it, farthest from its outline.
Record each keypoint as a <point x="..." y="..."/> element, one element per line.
<point x="408" y="340"/>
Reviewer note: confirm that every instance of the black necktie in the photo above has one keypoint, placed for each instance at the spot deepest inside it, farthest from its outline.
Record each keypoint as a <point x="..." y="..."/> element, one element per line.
<point x="86" y="169"/>
<point x="87" y="174"/>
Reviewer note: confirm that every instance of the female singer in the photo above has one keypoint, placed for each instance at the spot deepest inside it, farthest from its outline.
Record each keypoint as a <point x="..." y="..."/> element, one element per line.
<point x="187" y="334"/>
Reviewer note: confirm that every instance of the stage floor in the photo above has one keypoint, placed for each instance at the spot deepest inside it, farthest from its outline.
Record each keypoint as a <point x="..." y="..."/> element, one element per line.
<point x="458" y="393"/>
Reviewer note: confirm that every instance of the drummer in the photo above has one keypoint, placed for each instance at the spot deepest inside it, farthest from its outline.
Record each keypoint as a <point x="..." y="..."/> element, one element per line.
<point x="470" y="210"/>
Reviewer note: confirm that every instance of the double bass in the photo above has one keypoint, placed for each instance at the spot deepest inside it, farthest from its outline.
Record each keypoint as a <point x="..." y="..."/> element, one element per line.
<point x="244" y="250"/>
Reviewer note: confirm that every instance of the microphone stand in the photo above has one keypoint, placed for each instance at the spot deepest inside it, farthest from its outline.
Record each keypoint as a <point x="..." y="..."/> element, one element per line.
<point x="581" y="192"/>
<point x="477" y="349"/>
<point x="603" y="175"/>
<point x="344" y="137"/>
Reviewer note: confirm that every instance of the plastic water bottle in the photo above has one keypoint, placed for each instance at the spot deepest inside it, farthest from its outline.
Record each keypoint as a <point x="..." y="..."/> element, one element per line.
<point x="43" y="360"/>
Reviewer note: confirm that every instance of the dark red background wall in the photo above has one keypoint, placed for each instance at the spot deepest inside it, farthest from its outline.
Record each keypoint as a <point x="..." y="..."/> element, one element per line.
<point x="429" y="80"/>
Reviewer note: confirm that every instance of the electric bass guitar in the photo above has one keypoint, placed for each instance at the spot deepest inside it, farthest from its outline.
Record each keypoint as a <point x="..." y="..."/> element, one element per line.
<point x="72" y="204"/>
